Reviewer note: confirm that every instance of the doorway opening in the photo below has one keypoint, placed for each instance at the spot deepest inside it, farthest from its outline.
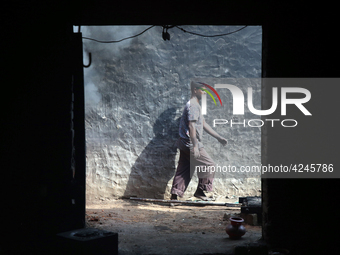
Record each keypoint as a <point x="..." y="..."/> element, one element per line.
<point x="135" y="90"/>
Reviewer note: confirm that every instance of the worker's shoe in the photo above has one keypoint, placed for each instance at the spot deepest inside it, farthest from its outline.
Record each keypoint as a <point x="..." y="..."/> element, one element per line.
<point x="173" y="197"/>
<point x="200" y="194"/>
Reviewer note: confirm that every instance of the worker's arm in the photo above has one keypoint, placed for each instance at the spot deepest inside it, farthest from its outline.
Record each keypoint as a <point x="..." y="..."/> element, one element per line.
<point x="192" y="133"/>
<point x="213" y="133"/>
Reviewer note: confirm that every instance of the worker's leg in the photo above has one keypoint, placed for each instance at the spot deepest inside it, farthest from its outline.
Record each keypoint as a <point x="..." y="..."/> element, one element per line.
<point x="204" y="173"/>
<point x="183" y="175"/>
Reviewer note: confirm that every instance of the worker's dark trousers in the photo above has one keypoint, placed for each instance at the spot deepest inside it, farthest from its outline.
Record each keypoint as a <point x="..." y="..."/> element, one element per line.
<point x="187" y="165"/>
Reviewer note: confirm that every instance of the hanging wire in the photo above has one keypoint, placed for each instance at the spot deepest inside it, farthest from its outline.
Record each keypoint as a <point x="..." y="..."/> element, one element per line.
<point x="119" y="40"/>
<point x="164" y="27"/>
<point x="210" y="35"/>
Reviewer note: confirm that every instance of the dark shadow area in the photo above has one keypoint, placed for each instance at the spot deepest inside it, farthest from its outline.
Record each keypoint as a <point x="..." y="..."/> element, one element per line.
<point x="155" y="166"/>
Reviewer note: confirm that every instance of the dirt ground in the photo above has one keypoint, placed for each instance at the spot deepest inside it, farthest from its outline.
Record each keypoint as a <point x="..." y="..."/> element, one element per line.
<point x="161" y="228"/>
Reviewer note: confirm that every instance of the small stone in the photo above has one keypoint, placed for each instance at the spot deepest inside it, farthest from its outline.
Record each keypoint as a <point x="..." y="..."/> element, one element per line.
<point x="226" y="216"/>
<point x="203" y="233"/>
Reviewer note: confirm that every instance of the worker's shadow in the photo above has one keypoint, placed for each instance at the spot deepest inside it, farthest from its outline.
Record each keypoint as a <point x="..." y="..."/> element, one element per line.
<point x="155" y="166"/>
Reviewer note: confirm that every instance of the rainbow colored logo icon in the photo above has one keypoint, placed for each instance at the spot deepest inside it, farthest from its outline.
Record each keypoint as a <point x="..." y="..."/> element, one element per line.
<point x="208" y="92"/>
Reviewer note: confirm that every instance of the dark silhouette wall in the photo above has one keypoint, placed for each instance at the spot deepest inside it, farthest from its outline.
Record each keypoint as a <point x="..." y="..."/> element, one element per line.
<point x="299" y="41"/>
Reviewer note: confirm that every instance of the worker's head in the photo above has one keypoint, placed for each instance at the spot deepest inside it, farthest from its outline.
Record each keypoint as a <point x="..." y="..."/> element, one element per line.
<point x="196" y="89"/>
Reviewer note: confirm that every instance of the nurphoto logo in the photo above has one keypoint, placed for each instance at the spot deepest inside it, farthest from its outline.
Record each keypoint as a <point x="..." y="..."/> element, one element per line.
<point x="239" y="102"/>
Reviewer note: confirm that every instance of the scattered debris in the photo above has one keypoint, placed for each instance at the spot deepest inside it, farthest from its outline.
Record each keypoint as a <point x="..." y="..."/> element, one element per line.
<point x="149" y="223"/>
<point x="93" y="218"/>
